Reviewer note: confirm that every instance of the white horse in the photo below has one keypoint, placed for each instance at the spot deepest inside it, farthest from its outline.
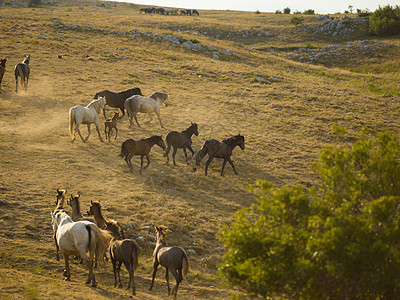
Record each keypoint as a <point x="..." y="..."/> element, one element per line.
<point x="85" y="115"/>
<point x="151" y="104"/>
<point x="75" y="238"/>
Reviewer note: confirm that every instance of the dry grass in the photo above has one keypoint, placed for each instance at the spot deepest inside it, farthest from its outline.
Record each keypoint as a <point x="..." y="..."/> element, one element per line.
<point x="285" y="123"/>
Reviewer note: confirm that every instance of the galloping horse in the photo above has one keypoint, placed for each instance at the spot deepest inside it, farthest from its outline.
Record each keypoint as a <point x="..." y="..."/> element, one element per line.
<point x="181" y="140"/>
<point x="85" y="115"/>
<point x="2" y="69"/>
<point x="142" y="147"/>
<point x="218" y="149"/>
<point x="151" y="104"/>
<point x="22" y="71"/>
<point x="75" y="238"/>
<point x="174" y="259"/>
<point x="117" y="100"/>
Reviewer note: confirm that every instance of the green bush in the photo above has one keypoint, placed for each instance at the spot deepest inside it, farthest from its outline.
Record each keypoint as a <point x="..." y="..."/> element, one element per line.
<point x="309" y="12"/>
<point x="337" y="241"/>
<point x="363" y="13"/>
<point x="286" y="11"/>
<point x="278" y="12"/>
<point x="296" y="21"/>
<point x="385" y="21"/>
<point x="33" y="3"/>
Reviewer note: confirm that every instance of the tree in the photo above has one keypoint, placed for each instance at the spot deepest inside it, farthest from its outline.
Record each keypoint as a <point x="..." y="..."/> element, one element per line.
<point x="286" y="11"/>
<point x="338" y="241"/>
<point x="351" y="8"/>
<point x="385" y="21"/>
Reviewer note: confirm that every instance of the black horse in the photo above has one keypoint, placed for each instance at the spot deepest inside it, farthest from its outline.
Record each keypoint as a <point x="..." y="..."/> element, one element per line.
<point x="2" y="69"/>
<point x="181" y="140"/>
<point x="218" y="149"/>
<point x="117" y="100"/>
<point x="22" y="71"/>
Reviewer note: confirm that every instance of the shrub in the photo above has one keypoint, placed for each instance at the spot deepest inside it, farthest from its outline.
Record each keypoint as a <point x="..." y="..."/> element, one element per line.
<point x="278" y="12"/>
<point x="338" y="241"/>
<point x="296" y="21"/>
<point x="286" y="11"/>
<point x="385" y="21"/>
<point x="309" y="12"/>
<point x="363" y="13"/>
<point x="33" y="3"/>
<point x="258" y="12"/>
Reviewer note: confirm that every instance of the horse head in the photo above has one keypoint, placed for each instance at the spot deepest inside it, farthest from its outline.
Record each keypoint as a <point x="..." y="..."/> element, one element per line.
<point x="241" y="141"/>
<point x="73" y="198"/>
<point x="160" y="142"/>
<point x="160" y="233"/>
<point x="27" y="59"/>
<point x="195" y="129"/>
<point x="3" y="62"/>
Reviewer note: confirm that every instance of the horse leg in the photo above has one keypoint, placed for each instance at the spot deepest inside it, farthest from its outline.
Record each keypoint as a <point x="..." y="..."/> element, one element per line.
<point x="114" y="263"/>
<point x="191" y="150"/>
<point x="105" y="131"/>
<point x="79" y="132"/>
<point x="141" y="163"/>
<point x="178" y="278"/>
<point x="208" y="163"/>
<point x="233" y="166"/>
<point x="167" y="279"/>
<point x="57" y="248"/>
<point x="119" y="274"/>
<point x="98" y="132"/>
<point x="123" y="112"/>
<point x="173" y="155"/>
<point x="151" y="118"/>
<point x="88" y="128"/>
<point x="116" y="132"/>
<point x="167" y="151"/>
<point x="129" y="269"/>
<point x="148" y="161"/>
<point x="186" y="157"/>
<point x="67" y="273"/>
<point x="159" y="119"/>
<point x="223" y="166"/>
<point x="137" y="122"/>
<point x="155" y="266"/>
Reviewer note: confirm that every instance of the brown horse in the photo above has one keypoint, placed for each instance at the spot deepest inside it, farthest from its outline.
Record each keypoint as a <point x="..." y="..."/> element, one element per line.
<point x="124" y="252"/>
<point x="60" y="199"/>
<point x="109" y="124"/>
<point x="142" y="147"/>
<point x="218" y="149"/>
<point x="174" y="259"/>
<point x="181" y="140"/>
<point x="2" y="69"/>
<point x="117" y="100"/>
<point x="113" y="226"/>
<point x="22" y="70"/>
<point x="76" y="210"/>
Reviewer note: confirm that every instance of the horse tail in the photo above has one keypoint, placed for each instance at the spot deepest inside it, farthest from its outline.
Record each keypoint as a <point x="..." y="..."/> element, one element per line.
<point x="135" y="255"/>
<point x="199" y="156"/>
<point x="71" y="121"/>
<point x="124" y="151"/>
<point x="96" y="96"/>
<point x="185" y="264"/>
<point x="102" y="240"/>
<point x="168" y="145"/>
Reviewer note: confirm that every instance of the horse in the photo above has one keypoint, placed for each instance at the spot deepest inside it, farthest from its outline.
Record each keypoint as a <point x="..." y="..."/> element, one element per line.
<point x="181" y="140"/>
<point x="117" y="100"/>
<point x="151" y="104"/>
<point x="174" y="259"/>
<point x="2" y="69"/>
<point x="85" y="115"/>
<point x="218" y="149"/>
<point x="109" y="124"/>
<point x="73" y="201"/>
<point x="124" y="252"/>
<point x="22" y="71"/>
<point x="113" y="226"/>
<point x="60" y="199"/>
<point x="130" y="147"/>
<point x="75" y="238"/>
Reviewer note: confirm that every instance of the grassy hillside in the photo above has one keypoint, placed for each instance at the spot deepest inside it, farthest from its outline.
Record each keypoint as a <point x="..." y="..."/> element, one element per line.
<point x="285" y="118"/>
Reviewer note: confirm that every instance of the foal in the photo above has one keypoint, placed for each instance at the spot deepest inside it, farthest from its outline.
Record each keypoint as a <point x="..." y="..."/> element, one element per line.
<point x="130" y="147"/>
<point x="174" y="259"/>
<point x="113" y="226"/>
<point x="76" y="210"/>
<point x="109" y="124"/>
<point x="181" y="140"/>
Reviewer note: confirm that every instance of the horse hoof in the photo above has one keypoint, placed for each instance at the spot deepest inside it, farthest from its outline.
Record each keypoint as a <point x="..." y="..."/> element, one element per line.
<point x="65" y="273"/>
<point x="94" y="284"/>
<point x="67" y="279"/>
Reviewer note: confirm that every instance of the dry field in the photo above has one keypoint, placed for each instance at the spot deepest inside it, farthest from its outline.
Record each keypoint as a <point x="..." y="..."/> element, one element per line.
<point x="285" y="122"/>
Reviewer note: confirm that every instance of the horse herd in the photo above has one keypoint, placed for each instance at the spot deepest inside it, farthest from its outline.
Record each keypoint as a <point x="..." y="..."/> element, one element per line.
<point x="133" y="102"/>
<point x="75" y="235"/>
<point x="21" y="72"/>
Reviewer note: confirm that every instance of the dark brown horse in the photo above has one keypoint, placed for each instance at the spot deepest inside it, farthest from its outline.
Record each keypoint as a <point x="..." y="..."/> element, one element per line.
<point x="142" y="147"/>
<point x="181" y="140"/>
<point x="2" y="69"/>
<point x="109" y="124"/>
<point x="22" y="70"/>
<point x="218" y="149"/>
<point x="117" y="100"/>
<point x="124" y="252"/>
<point x="174" y="259"/>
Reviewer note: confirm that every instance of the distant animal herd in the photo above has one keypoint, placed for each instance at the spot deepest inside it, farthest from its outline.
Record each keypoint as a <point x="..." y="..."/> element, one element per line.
<point x="75" y="235"/>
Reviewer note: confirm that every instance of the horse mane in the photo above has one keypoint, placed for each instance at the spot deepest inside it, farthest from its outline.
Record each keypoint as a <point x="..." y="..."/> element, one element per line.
<point x="152" y="138"/>
<point x="233" y="138"/>
<point x="160" y="95"/>
<point x="26" y="59"/>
